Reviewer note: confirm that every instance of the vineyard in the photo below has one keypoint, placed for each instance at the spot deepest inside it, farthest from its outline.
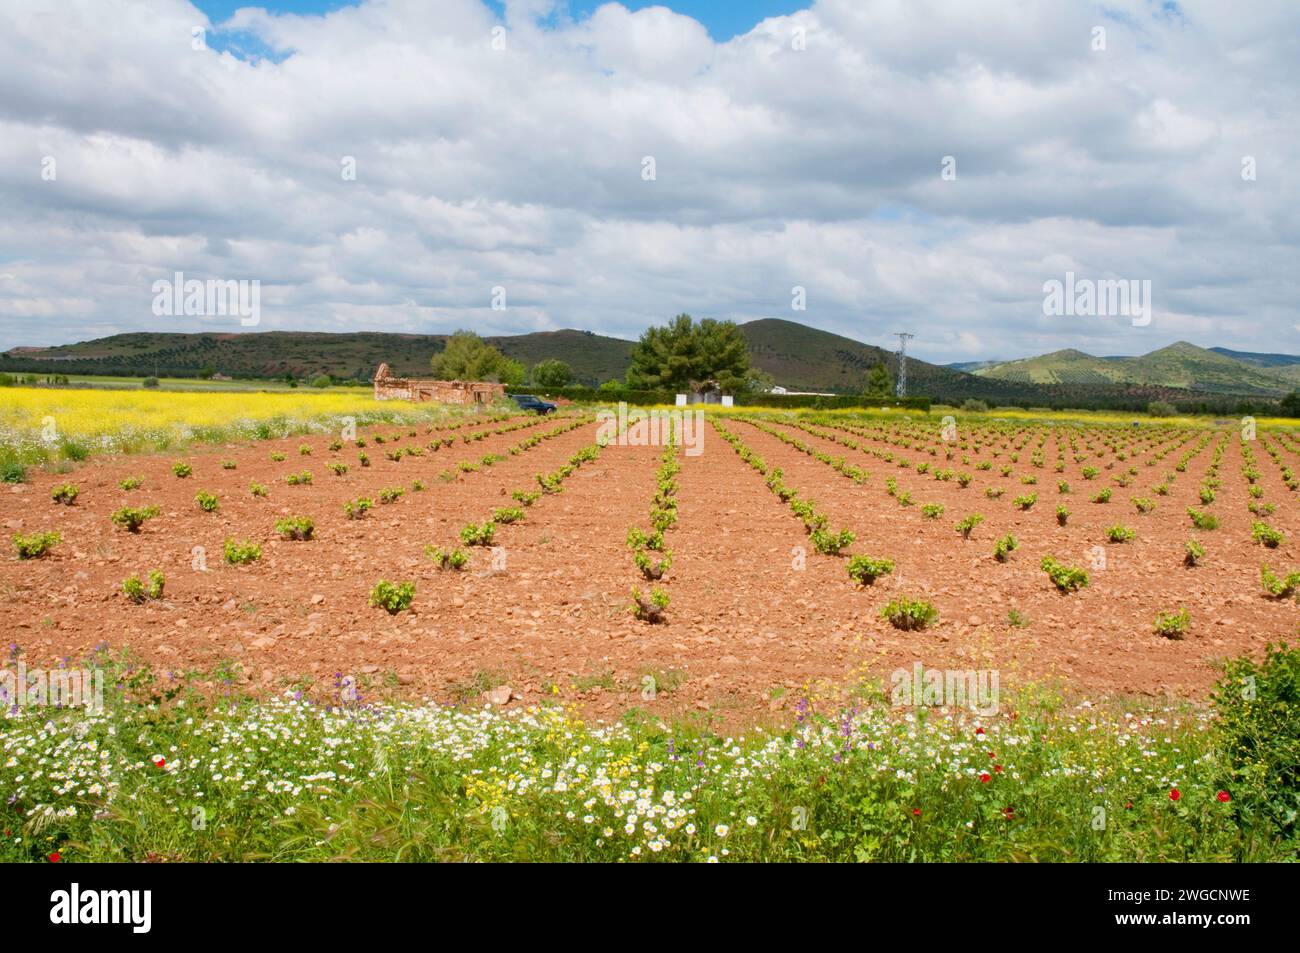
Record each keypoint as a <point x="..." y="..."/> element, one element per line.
<point x="525" y="553"/>
<point x="777" y="577"/>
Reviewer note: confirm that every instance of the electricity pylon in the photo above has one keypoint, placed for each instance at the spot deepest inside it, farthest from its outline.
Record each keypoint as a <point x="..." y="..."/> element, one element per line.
<point x="903" y="338"/>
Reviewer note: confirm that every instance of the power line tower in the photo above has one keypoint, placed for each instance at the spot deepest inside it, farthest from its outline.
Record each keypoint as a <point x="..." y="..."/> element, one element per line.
<point x="903" y="338"/>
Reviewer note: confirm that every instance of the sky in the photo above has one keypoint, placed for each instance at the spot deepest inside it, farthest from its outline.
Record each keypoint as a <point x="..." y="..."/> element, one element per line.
<point x="861" y="166"/>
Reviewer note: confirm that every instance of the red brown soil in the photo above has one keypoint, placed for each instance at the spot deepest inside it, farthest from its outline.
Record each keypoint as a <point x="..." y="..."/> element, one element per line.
<point x="746" y="630"/>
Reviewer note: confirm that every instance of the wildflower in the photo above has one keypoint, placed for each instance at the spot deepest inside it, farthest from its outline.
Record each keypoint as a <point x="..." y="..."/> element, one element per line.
<point x="1224" y="797"/>
<point x="916" y="812"/>
<point x="1174" y="794"/>
<point x="1009" y="813"/>
<point x="54" y="857"/>
<point x="984" y="777"/>
<point x="722" y="830"/>
<point x="751" y="820"/>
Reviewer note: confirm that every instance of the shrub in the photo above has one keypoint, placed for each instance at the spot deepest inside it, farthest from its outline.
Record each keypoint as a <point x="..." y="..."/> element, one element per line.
<point x="1065" y="578"/>
<point x="526" y="497"/>
<point x="295" y="527"/>
<point x="35" y="545"/>
<point x="130" y="483"/>
<point x="1173" y="625"/>
<point x="931" y="511"/>
<point x="304" y="450"/>
<point x="652" y="609"/>
<point x="241" y="552"/>
<point x="182" y="469"/>
<point x="1103" y="496"/>
<point x="392" y="598"/>
<point x="830" y="544"/>
<point x="1193" y="552"/>
<point x="133" y="589"/>
<point x="207" y="502"/>
<point x="507" y="514"/>
<point x="1026" y="501"/>
<point x="1004" y="546"/>
<point x="131" y="518"/>
<point x="652" y="569"/>
<point x="299" y="479"/>
<point x="1278" y="588"/>
<point x="1256" y="707"/>
<point x="257" y="489"/>
<point x="65" y="494"/>
<point x="476" y="534"/>
<point x="866" y="569"/>
<point x="1264" y="534"/>
<point x="1017" y="619"/>
<point x="994" y="492"/>
<point x="909" y="614"/>
<point x="1062" y="515"/>
<point x="1120" y="534"/>
<point x="136" y="591"/>
<point x="337" y="467"/>
<point x="1143" y="504"/>
<point x="229" y="465"/>
<point x="363" y="460"/>
<point x="968" y="524"/>
<point x="356" y="509"/>
<point x="1063" y="488"/>
<point x="447" y="559"/>
<point x="391" y="494"/>
<point x="277" y="456"/>
<point x="1202" y="520"/>
<point x="1090" y="472"/>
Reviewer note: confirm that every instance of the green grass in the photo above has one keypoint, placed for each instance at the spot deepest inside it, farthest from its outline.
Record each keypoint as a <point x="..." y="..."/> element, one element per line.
<point x="167" y="773"/>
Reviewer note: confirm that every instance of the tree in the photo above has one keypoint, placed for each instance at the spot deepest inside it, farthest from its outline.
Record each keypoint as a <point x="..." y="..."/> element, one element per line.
<point x="510" y="372"/>
<point x="322" y="381"/>
<point x="551" y="374"/>
<point x="685" y="356"/>
<point x="759" y="381"/>
<point x="880" y="383"/>
<point x="467" y="357"/>
<point x="1161" y="408"/>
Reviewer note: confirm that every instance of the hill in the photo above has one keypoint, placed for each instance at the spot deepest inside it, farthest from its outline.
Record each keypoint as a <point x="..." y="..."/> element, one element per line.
<point x="1181" y="366"/>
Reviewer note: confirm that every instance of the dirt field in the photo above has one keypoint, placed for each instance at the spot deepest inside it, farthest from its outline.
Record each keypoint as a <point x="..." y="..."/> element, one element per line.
<point x="755" y="614"/>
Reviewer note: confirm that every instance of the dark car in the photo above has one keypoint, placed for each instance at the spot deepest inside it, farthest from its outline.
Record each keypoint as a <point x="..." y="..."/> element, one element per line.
<point x="529" y="402"/>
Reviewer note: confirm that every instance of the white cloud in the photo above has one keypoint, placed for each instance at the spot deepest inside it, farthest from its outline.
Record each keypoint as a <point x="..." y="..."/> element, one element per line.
<point x="522" y="167"/>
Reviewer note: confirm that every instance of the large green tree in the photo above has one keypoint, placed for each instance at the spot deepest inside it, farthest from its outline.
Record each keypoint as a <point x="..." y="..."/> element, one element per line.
<point x="880" y="383"/>
<point x="687" y="356"/>
<point x="551" y="374"/>
<point x="467" y="357"/>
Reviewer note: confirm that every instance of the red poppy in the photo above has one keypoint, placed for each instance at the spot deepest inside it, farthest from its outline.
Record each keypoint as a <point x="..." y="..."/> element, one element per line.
<point x="1009" y="813"/>
<point x="1224" y="796"/>
<point x="992" y="754"/>
<point x="979" y="731"/>
<point x="54" y="857"/>
<point x="161" y="763"/>
<point x="1128" y="806"/>
<point x="916" y="812"/>
<point x="984" y="777"/>
<point x="1174" y="794"/>
<point x="997" y="768"/>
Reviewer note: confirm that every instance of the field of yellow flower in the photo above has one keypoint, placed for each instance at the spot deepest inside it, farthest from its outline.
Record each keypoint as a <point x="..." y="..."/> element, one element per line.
<point x="42" y="424"/>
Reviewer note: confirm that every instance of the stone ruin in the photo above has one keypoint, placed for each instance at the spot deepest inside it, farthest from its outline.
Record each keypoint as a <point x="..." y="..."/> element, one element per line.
<point x="388" y="387"/>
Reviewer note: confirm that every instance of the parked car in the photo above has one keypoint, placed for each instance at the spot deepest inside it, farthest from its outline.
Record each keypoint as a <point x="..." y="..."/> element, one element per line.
<point x="529" y="402"/>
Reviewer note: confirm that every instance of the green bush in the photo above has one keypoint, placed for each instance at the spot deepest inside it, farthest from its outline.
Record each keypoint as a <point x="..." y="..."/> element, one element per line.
<point x="295" y="527"/>
<point x="65" y="494"/>
<point x="1065" y="578"/>
<point x="909" y="614"/>
<point x="1258" y="727"/>
<point x="35" y="545"/>
<point x="241" y="552"/>
<point x="866" y="569"/>
<point x="131" y="518"/>
<point x="392" y="598"/>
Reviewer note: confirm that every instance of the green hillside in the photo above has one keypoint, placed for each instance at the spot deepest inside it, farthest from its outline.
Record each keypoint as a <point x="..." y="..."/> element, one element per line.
<point x="1181" y="366"/>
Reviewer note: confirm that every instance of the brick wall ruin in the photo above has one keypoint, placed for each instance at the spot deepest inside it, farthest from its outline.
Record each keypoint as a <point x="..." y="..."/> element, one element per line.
<point x="388" y="387"/>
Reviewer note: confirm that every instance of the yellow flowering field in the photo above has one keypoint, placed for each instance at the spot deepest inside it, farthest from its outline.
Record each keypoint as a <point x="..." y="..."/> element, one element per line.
<point x="38" y="424"/>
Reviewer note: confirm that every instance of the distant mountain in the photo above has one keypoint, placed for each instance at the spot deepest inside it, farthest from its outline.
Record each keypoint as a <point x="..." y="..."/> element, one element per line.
<point x="1181" y="365"/>
<point x="798" y="357"/>
<point x="304" y="354"/>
